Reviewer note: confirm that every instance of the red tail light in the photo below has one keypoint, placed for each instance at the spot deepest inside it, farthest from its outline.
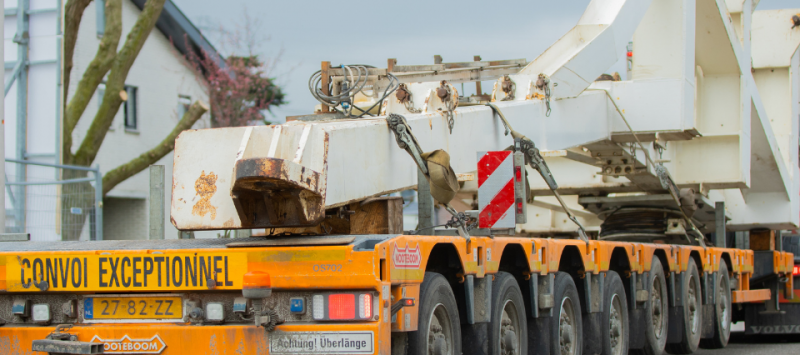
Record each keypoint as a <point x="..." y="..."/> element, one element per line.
<point x="342" y="306"/>
<point x="796" y="270"/>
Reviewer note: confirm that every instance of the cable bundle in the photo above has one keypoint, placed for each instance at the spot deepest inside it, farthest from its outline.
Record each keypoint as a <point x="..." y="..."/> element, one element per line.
<point x="342" y="101"/>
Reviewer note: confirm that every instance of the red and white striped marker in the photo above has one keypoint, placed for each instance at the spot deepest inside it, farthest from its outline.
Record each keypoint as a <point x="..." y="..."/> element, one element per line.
<point x="496" y="190"/>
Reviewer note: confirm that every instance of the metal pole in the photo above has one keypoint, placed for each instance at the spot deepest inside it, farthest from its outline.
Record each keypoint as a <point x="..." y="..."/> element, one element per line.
<point x="98" y="203"/>
<point x="59" y="86"/>
<point x="424" y="203"/>
<point x="22" y="39"/>
<point x="720" y="235"/>
<point x="2" y="140"/>
<point x="156" y="202"/>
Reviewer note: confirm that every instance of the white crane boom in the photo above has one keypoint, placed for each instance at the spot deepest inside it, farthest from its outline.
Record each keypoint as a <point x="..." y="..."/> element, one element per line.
<point x="692" y="101"/>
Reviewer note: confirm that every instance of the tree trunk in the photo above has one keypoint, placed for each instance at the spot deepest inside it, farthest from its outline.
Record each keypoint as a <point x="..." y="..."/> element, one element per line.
<point x="116" y="83"/>
<point x="73" y="12"/>
<point x="94" y="74"/>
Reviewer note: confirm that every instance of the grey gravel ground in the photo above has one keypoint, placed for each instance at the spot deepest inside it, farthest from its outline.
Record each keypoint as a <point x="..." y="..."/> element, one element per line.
<point x="773" y="345"/>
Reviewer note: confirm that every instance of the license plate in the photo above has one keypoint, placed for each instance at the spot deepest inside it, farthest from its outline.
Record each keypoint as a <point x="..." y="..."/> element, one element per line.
<point x="164" y="307"/>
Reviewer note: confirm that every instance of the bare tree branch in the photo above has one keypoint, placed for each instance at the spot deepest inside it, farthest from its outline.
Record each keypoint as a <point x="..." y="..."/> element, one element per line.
<point x="116" y="82"/>
<point x="133" y="167"/>
<point x="94" y="74"/>
<point x="73" y="12"/>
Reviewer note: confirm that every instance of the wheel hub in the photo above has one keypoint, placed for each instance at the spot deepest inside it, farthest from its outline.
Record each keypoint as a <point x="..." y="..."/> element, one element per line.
<point x="565" y="329"/>
<point x="722" y="305"/>
<point x="439" y="346"/>
<point x="509" y="345"/>
<point x="438" y="335"/>
<point x="508" y="334"/>
<point x="692" y="304"/>
<point x="615" y="326"/>
<point x="656" y="310"/>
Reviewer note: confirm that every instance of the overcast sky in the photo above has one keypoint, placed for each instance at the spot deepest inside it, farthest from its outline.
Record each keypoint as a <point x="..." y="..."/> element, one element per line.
<point x="369" y="32"/>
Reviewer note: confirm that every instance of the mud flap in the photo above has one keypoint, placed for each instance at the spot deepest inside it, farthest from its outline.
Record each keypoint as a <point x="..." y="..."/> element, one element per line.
<point x="758" y="321"/>
<point x="478" y="307"/>
<point x="478" y="296"/>
<point x="676" y="302"/>
<point x="636" y="311"/>
<point x="593" y="312"/>
<point x="539" y="335"/>
<point x="541" y="309"/>
<point x="709" y="304"/>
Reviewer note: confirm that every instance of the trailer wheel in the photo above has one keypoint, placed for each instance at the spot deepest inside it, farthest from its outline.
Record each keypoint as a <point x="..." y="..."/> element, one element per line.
<point x="656" y="313"/>
<point x="615" y="323"/>
<point x="722" y="311"/>
<point x="508" y="333"/>
<point x="439" y="328"/>
<point x="566" y="336"/>
<point x="692" y="313"/>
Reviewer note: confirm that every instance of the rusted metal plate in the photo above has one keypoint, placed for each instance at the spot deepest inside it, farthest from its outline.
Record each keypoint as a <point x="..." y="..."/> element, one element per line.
<point x="249" y="177"/>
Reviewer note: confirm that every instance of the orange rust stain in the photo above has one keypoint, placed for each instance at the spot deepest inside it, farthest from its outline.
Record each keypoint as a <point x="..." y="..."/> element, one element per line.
<point x="228" y="223"/>
<point x="205" y="187"/>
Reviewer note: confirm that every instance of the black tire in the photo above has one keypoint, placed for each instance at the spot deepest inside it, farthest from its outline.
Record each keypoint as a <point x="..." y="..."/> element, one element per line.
<point x="399" y="343"/>
<point x="508" y="333"/>
<point x="566" y="336"/>
<point x="615" y="326"/>
<point x="692" y="313"/>
<point x="656" y="312"/>
<point x="722" y="311"/>
<point x="437" y="307"/>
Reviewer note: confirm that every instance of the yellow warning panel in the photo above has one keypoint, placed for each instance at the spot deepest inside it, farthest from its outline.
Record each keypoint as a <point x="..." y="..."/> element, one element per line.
<point x="125" y="272"/>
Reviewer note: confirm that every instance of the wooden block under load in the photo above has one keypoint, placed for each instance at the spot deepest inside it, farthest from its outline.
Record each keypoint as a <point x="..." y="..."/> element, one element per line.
<point x="762" y="239"/>
<point x="379" y="215"/>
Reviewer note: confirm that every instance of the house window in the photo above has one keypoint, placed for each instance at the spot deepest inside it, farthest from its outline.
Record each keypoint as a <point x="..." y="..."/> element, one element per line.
<point x="100" y="5"/>
<point x="183" y="105"/>
<point x="131" y="120"/>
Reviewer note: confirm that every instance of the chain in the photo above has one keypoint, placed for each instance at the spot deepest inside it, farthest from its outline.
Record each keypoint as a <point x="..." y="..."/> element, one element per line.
<point x="460" y="219"/>
<point x="543" y="83"/>
<point x="445" y="93"/>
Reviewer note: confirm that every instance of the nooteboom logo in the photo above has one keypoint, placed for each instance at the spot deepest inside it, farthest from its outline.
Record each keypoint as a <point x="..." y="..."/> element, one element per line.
<point x="406" y="258"/>
<point x="126" y="345"/>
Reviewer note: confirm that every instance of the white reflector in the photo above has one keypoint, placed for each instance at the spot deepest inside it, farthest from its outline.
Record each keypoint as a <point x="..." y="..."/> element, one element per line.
<point x="215" y="312"/>
<point x="41" y="313"/>
<point x="318" y="304"/>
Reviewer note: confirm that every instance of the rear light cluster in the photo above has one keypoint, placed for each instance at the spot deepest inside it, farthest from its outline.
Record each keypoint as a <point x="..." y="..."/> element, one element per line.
<point x="343" y="306"/>
<point x="796" y="270"/>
